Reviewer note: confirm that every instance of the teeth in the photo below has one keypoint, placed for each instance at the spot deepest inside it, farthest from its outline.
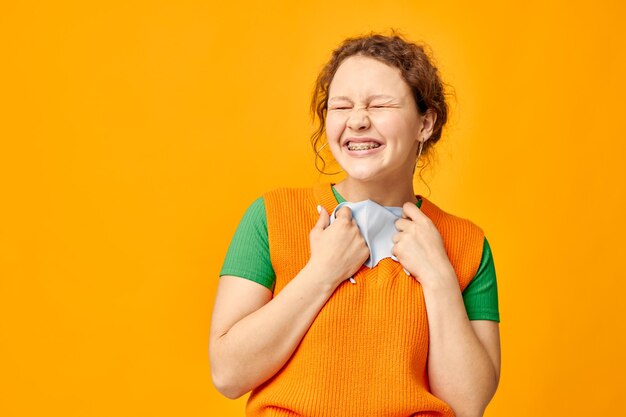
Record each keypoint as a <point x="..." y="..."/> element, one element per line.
<point x="362" y="146"/>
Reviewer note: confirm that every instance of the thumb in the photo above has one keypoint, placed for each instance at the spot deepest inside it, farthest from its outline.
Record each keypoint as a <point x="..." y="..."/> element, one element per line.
<point x="323" y="221"/>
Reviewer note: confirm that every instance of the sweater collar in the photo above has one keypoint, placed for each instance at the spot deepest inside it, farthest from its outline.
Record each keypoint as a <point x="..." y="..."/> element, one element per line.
<point x="325" y="197"/>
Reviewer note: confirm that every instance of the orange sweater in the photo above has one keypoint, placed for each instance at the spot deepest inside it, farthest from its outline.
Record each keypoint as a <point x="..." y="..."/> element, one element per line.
<point x="366" y="352"/>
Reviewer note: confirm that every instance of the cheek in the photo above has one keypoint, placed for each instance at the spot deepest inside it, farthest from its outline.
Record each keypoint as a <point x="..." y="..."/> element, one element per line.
<point x="394" y="126"/>
<point x="334" y="127"/>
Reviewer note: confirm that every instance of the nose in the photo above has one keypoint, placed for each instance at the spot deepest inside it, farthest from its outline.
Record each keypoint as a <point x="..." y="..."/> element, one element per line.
<point x="358" y="119"/>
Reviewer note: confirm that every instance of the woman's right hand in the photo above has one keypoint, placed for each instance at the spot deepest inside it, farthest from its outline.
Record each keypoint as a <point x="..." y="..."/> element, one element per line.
<point x="338" y="249"/>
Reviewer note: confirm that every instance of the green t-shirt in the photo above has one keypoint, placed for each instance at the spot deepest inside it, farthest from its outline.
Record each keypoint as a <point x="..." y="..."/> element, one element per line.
<point x="248" y="256"/>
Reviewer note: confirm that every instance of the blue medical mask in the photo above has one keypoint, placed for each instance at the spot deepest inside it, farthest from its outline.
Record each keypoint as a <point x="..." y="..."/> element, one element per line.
<point x="377" y="226"/>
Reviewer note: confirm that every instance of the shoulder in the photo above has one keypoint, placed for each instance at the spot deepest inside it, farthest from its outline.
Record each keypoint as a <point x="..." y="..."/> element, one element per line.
<point x="463" y="240"/>
<point x="288" y="196"/>
<point x="257" y="205"/>
<point x="287" y="191"/>
<point x="447" y="220"/>
<point x="255" y="212"/>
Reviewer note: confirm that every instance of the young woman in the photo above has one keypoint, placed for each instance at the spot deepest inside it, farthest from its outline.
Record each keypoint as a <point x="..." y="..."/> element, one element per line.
<point x="303" y="323"/>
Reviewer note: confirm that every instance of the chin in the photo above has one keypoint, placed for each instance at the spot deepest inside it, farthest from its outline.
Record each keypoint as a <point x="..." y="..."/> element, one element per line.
<point x="362" y="174"/>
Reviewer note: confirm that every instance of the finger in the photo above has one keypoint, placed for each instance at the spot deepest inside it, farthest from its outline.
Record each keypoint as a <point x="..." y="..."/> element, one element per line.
<point x="323" y="220"/>
<point x="402" y="224"/>
<point x="344" y="211"/>
<point x="395" y="238"/>
<point x="410" y="210"/>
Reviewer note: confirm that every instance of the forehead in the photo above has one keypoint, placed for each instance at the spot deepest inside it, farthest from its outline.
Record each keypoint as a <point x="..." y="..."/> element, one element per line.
<point x="365" y="76"/>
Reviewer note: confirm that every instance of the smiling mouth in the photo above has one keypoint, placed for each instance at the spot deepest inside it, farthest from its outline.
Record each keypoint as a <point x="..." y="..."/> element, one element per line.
<point x="362" y="146"/>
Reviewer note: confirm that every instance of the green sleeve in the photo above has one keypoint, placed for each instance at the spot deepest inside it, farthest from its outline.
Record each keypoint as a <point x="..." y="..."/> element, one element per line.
<point x="248" y="255"/>
<point x="481" y="295"/>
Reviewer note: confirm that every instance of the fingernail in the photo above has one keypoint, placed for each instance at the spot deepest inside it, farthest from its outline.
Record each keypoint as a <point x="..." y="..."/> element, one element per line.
<point x="319" y="209"/>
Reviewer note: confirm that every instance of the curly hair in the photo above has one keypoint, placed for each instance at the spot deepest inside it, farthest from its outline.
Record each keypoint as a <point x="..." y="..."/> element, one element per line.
<point x="417" y="69"/>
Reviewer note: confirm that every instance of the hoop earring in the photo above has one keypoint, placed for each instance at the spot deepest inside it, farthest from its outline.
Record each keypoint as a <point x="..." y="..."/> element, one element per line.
<point x="420" y="152"/>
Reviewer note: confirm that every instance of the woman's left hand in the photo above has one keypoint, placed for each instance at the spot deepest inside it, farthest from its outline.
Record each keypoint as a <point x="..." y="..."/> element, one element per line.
<point x="419" y="248"/>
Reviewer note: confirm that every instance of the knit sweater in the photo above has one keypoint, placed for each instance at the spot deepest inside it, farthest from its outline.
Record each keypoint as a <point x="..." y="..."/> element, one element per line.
<point x="248" y="257"/>
<point x="365" y="354"/>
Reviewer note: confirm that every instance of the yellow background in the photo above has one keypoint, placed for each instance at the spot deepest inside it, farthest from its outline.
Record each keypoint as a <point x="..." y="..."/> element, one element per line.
<point x="135" y="134"/>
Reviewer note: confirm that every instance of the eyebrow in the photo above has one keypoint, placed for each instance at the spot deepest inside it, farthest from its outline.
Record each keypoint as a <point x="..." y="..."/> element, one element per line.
<point x="372" y="96"/>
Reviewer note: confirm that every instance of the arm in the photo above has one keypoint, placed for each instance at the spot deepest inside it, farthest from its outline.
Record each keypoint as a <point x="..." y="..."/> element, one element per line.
<point x="464" y="356"/>
<point x="252" y="335"/>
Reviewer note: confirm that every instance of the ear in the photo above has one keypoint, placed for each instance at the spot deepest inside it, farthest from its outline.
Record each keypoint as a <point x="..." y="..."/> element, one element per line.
<point x="428" y="124"/>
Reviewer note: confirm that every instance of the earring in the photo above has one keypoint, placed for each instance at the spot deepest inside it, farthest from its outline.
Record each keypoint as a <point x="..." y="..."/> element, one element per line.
<point x="420" y="152"/>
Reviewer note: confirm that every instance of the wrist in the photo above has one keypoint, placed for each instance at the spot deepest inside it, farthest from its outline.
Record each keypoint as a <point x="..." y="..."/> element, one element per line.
<point x="322" y="276"/>
<point x="441" y="281"/>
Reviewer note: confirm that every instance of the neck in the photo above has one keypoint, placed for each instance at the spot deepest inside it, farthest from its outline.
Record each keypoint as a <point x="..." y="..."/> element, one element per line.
<point x="383" y="192"/>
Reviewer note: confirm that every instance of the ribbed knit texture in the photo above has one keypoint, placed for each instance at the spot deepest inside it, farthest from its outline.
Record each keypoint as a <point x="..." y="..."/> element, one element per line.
<point x="366" y="352"/>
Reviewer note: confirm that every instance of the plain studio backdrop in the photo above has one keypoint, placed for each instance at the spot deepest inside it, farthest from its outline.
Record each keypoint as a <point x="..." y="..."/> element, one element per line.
<point x="135" y="134"/>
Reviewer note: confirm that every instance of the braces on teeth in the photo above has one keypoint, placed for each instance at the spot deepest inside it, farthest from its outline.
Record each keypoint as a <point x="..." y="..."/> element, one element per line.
<point x="361" y="147"/>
